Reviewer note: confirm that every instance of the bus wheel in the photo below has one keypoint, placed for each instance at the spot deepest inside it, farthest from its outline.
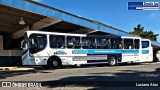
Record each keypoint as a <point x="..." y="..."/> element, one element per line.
<point x="112" y="61"/>
<point x="54" y="63"/>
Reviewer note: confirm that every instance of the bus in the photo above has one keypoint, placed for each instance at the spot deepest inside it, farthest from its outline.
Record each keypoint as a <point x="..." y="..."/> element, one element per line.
<point x="53" y="50"/>
<point x="158" y="55"/>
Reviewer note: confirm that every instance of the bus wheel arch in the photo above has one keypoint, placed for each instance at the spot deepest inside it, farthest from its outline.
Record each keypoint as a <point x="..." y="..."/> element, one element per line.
<point x="54" y="62"/>
<point x="112" y="60"/>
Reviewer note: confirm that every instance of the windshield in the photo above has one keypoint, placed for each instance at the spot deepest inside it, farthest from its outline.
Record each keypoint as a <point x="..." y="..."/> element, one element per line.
<point x="39" y="42"/>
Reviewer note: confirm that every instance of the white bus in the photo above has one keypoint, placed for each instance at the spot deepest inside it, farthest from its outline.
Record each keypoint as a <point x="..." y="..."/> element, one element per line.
<point x="53" y="49"/>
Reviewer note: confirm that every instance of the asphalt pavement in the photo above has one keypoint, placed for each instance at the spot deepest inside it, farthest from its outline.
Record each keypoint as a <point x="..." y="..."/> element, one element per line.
<point x="88" y="77"/>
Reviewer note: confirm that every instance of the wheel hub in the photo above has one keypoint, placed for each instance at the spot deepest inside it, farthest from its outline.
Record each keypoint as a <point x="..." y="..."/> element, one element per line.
<point x="55" y="63"/>
<point x="112" y="61"/>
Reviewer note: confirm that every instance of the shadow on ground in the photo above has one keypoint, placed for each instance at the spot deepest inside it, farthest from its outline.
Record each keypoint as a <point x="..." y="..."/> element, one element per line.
<point x="103" y="80"/>
<point x="5" y="74"/>
<point x="11" y="73"/>
<point x="124" y="78"/>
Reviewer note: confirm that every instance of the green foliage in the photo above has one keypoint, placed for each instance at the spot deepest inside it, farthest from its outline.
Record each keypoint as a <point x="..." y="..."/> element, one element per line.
<point x="139" y="30"/>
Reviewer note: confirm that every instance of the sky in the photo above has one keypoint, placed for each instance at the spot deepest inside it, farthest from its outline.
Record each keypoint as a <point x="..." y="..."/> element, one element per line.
<point x="114" y="13"/>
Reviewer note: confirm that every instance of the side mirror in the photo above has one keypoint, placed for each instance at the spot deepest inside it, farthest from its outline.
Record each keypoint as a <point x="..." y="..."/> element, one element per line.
<point x="22" y="44"/>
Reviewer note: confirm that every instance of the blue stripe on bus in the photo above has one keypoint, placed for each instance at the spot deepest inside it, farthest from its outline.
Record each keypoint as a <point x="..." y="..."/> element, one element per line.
<point x="145" y="51"/>
<point x="95" y="61"/>
<point x="107" y="51"/>
<point x="95" y="51"/>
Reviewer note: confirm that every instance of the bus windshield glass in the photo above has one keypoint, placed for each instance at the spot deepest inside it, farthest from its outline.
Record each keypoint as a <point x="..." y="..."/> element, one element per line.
<point x="39" y="42"/>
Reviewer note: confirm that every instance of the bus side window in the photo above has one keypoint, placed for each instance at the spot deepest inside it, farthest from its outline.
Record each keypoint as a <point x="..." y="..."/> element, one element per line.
<point x="136" y="43"/>
<point x="88" y="43"/>
<point x="116" y="43"/>
<point x="57" y="41"/>
<point x="73" y="42"/>
<point x="85" y="43"/>
<point x="103" y="43"/>
<point x="145" y="44"/>
<point x="128" y="44"/>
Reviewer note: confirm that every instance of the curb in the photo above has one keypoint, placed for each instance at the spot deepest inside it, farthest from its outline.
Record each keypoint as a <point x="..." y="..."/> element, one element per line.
<point x="15" y="68"/>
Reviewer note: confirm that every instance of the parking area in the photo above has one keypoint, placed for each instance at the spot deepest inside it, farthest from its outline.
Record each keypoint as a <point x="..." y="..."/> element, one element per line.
<point x="86" y="77"/>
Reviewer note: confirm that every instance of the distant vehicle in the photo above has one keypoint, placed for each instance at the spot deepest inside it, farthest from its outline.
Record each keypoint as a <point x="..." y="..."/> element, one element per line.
<point x="158" y="55"/>
<point x="53" y="50"/>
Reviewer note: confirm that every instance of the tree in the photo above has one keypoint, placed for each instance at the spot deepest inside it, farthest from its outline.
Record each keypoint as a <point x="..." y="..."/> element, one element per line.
<point x="139" y="30"/>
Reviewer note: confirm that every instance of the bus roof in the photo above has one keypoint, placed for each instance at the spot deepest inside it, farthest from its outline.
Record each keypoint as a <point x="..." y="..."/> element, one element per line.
<point x="104" y="36"/>
<point x="57" y="33"/>
<point x="83" y="35"/>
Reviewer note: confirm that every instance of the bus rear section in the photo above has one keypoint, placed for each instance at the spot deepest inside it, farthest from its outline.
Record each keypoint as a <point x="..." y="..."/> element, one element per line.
<point x="131" y="52"/>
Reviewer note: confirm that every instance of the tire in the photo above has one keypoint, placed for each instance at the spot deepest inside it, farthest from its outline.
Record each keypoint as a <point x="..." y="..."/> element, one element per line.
<point x="112" y="61"/>
<point x="54" y="63"/>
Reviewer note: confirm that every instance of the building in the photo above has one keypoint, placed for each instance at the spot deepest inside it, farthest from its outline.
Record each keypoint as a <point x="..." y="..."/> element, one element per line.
<point x="41" y="17"/>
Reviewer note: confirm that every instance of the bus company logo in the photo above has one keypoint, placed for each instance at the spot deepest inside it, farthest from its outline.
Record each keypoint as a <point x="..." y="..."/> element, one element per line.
<point x="79" y="51"/>
<point x="60" y="52"/>
<point x="143" y="5"/>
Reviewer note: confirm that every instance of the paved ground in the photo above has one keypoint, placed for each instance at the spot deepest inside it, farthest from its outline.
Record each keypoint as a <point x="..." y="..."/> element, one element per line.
<point x="90" y="77"/>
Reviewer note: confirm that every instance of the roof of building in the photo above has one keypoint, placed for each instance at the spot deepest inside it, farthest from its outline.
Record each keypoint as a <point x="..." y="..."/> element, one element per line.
<point x="47" y="11"/>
